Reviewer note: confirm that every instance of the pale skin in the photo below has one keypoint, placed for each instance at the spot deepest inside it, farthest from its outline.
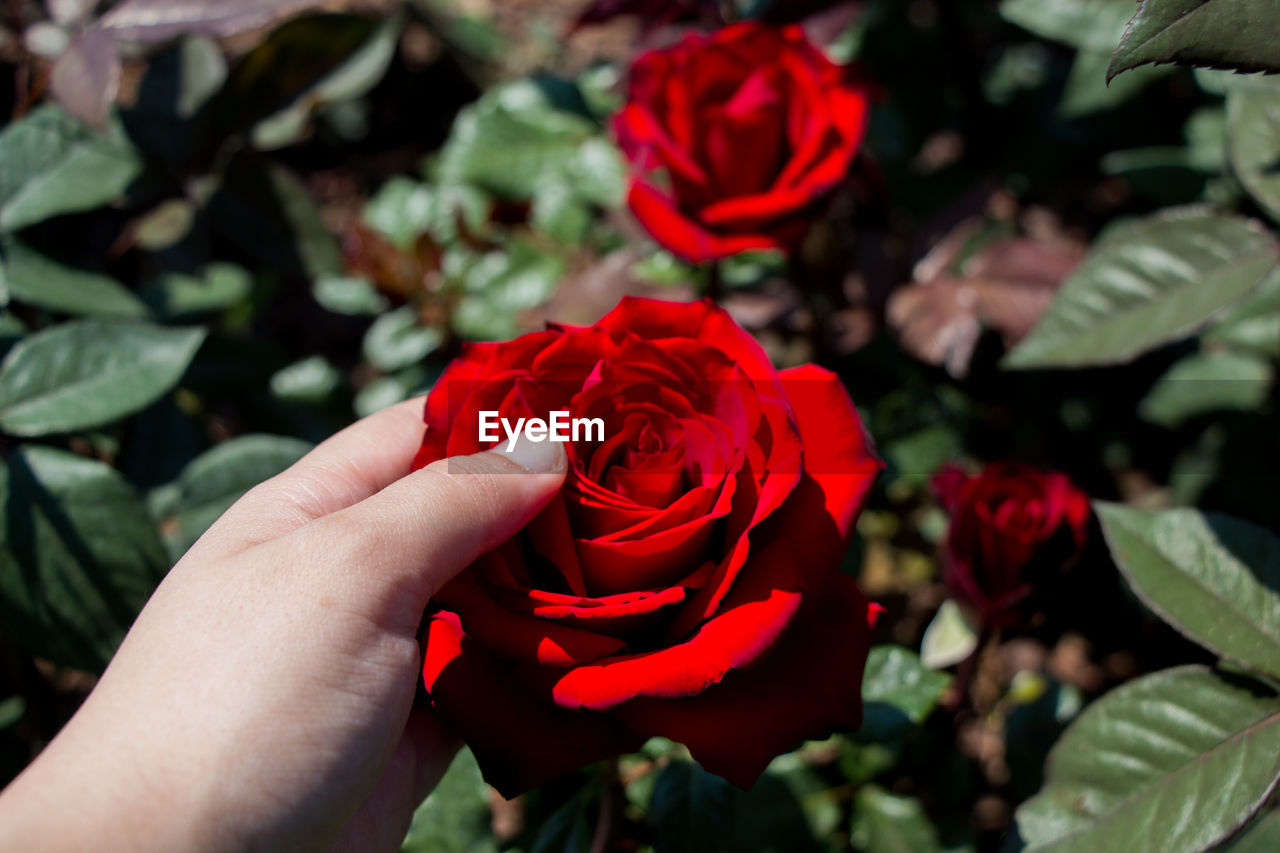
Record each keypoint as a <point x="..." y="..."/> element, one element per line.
<point x="263" y="699"/>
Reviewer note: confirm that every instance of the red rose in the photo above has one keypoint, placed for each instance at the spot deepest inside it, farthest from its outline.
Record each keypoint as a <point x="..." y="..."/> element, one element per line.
<point x="685" y="582"/>
<point x="752" y="126"/>
<point x="1010" y="524"/>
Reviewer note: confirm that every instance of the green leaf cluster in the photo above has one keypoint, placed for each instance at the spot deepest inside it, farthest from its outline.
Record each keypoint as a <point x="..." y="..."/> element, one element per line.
<point x="1181" y="759"/>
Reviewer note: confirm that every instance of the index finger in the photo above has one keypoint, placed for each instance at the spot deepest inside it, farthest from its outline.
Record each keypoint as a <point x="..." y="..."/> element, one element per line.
<point x="341" y="471"/>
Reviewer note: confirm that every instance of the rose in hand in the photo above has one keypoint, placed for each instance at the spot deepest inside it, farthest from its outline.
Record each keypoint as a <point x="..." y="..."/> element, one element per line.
<point x="1012" y="525"/>
<point x="685" y="583"/>
<point x="736" y="138"/>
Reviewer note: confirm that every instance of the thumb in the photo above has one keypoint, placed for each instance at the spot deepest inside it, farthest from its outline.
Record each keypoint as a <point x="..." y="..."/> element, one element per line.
<point x="396" y="548"/>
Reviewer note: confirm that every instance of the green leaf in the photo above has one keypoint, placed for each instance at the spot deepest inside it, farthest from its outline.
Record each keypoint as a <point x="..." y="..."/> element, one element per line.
<point x="351" y="78"/>
<point x="1092" y="25"/>
<point x="402" y="209"/>
<point x="12" y="711"/>
<point x="950" y="638"/>
<point x="1087" y="91"/>
<point x="12" y="330"/>
<point x="78" y="556"/>
<point x="1207" y="382"/>
<point x="1166" y="174"/>
<point x="512" y="138"/>
<point x="91" y="175"/>
<point x="1147" y="283"/>
<point x="169" y="118"/>
<point x="558" y="212"/>
<point x="568" y="829"/>
<point x="310" y="381"/>
<point x="1238" y="34"/>
<point x="1212" y="577"/>
<point x="1175" y="761"/>
<point x="1206" y="135"/>
<point x="1253" y="323"/>
<point x="51" y="164"/>
<point x="1253" y="141"/>
<point x="472" y="34"/>
<point x="499" y="285"/>
<point x="344" y="295"/>
<point x="216" y="479"/>
<point x="175" y="296"/>
<point x="285" y="65"/>
<point x="897" y="691"/>
<point x="1261" y="836"/>
<point x="693" y="810"/>
<point x="455" y="818"/>
<point x="790" y="781"/>
<point x="40" y="281"/>
<point x="269" y="215"/>
<point x="166" y="225"/>
<point x="396" y="340"/>
<point x="887" y="823"/>
<point x="400" y="386"/>
<point x="598" y="173"/>
<point x="90" y="373"/>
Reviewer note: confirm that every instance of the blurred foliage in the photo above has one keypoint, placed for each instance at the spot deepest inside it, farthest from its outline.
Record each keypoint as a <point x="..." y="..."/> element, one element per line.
<point x="228" y="231"/>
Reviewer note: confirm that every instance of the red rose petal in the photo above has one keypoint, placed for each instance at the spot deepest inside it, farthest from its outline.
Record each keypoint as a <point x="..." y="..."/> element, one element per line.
<point x="800" y="691"/>
<point x="702" y="321"/>
<point x="520" y="739"/>
<point x="837" y="450"/>
<point x="521" y="638"/>
<point x="737" y="637"/>
<point x="681" y="235"/>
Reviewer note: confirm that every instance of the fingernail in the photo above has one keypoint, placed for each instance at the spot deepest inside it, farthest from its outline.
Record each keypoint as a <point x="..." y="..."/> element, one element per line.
<point x="536" y="457"/>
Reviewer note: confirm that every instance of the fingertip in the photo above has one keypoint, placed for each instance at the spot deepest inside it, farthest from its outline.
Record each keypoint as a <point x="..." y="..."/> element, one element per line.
<point x="547" y="462"/>
<point x="547" y="457"/>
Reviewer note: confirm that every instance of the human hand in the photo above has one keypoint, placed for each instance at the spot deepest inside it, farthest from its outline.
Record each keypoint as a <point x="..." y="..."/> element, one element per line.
<point x="263" y="698"/>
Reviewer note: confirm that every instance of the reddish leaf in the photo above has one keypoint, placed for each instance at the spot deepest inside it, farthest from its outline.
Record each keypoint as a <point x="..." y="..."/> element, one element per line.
<point x="161" y="20"/>
<point x="1006" y="286"/>
<point x="404" y="274"/>
<point x="86" y="78"/>
<point x="68" y="12"/>
<point x="585" y="297"/>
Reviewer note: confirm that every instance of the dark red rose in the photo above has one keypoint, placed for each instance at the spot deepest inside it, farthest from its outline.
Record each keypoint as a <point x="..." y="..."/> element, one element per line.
<point x="685" y="582"/>
<point x="735" y="137"/>
<point x="1011" y="525"/>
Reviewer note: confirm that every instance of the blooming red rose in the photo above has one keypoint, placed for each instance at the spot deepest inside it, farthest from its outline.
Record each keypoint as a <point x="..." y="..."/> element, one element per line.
<point x="1010" y="524"/>
<point x="750" y="127"/>
<point x="685" y="582"/>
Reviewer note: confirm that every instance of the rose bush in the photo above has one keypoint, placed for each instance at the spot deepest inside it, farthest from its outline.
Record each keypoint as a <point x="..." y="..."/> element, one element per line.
<point x="750" y="127"/>
<point x="1010" y="524"/>
<point x="686" y="581"/>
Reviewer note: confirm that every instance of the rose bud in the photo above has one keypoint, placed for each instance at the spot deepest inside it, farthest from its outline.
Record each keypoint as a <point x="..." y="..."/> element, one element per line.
<point x="736" y="137"/>
<point x="685" y="583"/>
<point x="1012" y="526"/>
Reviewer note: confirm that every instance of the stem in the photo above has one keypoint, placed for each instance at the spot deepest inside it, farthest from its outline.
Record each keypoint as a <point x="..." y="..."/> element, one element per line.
<point x="715" y="282"/>
<point x="611" y="799"/>
<point x="968" y="668"/>
<point x="28" y="90"/>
